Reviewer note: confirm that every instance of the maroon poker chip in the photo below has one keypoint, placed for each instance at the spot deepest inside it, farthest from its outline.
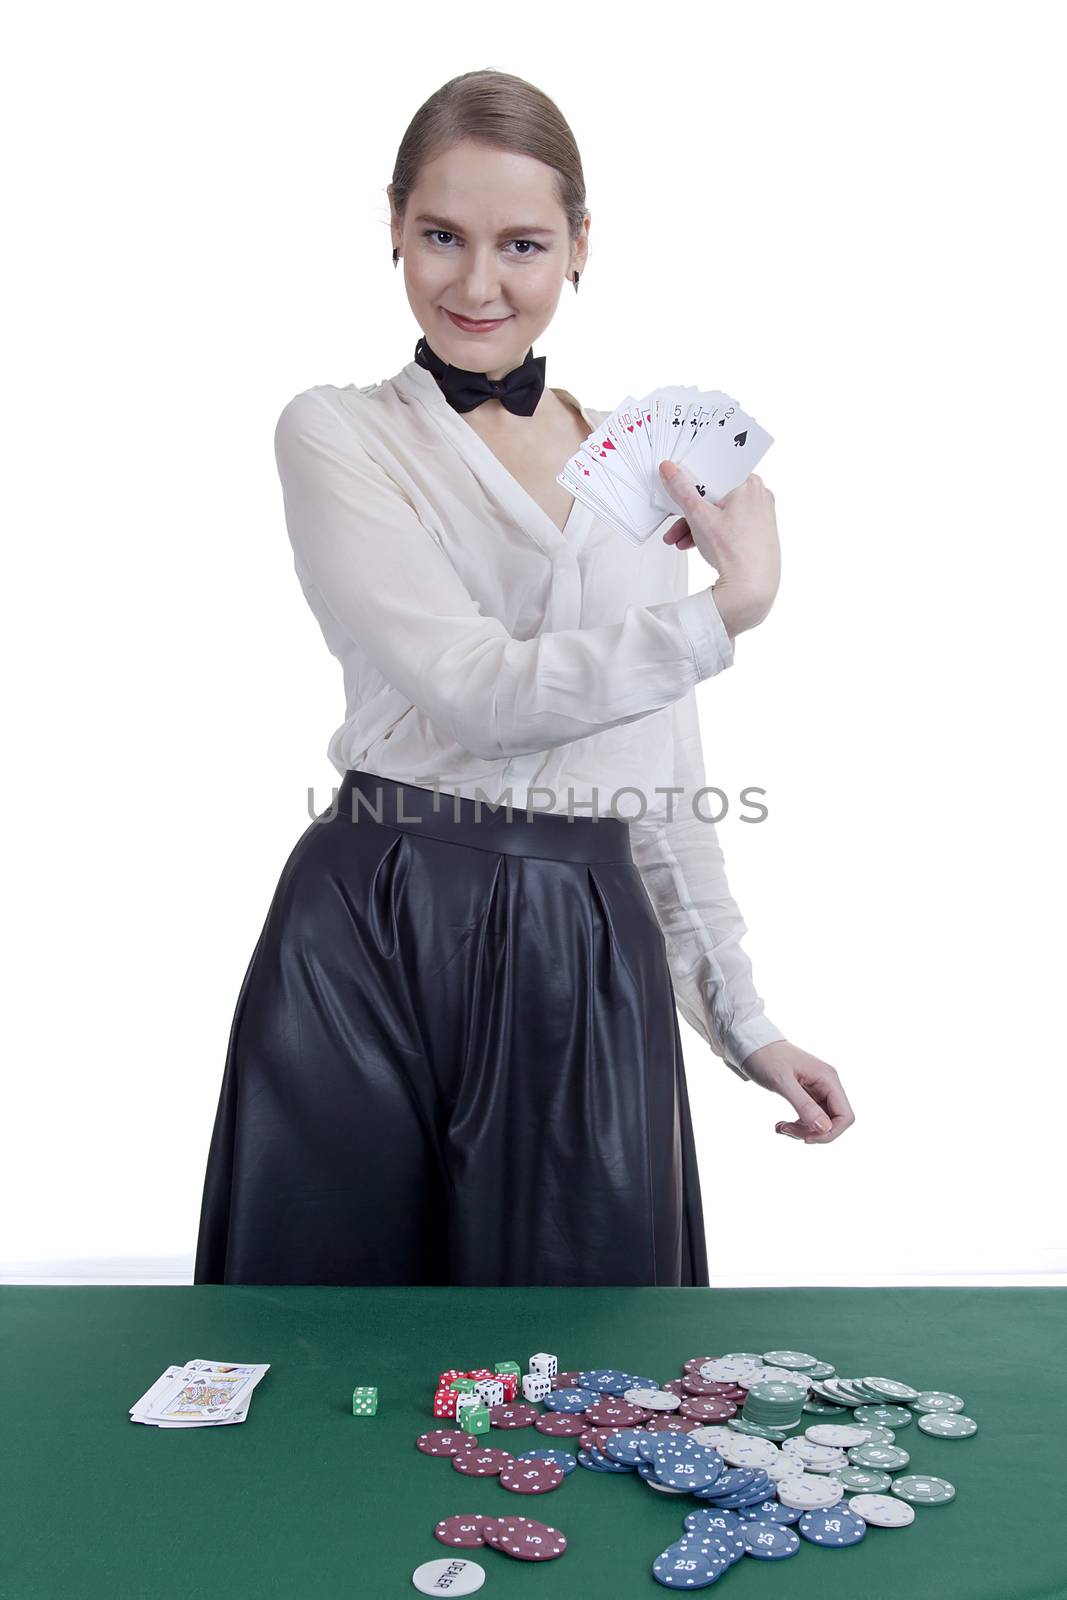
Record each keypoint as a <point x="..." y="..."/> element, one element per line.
<point x="612" y="1413"/>
<point x="463" y="1531"/>
<point x="670" y="1422"/>
<point x="445" y="1441"/>
<point x="481" y="1463"/>
<point x="560" y="1424"/>
<point x="708" y="1408"/>
<point x="676" y="1385"/>
<point x="516" y="1415"/>
<point x="566" y="1380"/>
<point x="526" y="1539"/>
<point x="695" y="1385"/>
<point x="531" y="1477"/>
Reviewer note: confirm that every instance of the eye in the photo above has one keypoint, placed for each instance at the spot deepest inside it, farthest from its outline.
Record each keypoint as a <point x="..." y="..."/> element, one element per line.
<point x="435" y="234"/>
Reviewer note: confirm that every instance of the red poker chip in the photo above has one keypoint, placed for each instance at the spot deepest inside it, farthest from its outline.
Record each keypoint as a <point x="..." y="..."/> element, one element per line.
<point x="531" y="1477"/>
<point x="526" y="1539"/>
<point x="695" y="1385"/>
<point x="560" y="1424"/>
<point x="481" y="1463"/>
<point x="708" y="1408"/>
<point x="566" y="1380"/>
<point x="516" y="1415"/>
<point x="670" y="1422"/>
<point x="614" y="1414"/>
<point x="676" y="1385"/>
<point x="696" y="1362"/>
<point x="461" y="1531"/>
<point x="445" y="1441"/>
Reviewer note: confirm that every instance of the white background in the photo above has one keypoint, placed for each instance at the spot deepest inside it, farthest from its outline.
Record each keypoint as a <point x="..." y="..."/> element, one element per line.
<point x="846" y="216"/>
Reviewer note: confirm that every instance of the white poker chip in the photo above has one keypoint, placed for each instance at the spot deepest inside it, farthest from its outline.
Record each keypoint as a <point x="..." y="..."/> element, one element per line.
<point x="728" y="1369"/>
<point x="882" y="1510"/>
<point x="451" y="1575"/>
<point x="716" y="1434"/>
<point x="653" y="1399"/>
<point x="842" y="1434"/>
<point x="746" y="1451"/>
<point x="783" y="1467"/>
<point x="815" y="1457"/>
<point x="810" y="1493"/>
<point x="669" y="1488"/>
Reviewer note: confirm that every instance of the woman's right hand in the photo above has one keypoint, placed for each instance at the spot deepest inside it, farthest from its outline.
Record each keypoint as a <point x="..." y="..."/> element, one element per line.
<point x="737" y="535"/>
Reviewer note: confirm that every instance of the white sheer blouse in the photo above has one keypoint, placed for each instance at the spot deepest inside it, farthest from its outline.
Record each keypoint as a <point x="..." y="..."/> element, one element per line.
<point x="489" y="653"/>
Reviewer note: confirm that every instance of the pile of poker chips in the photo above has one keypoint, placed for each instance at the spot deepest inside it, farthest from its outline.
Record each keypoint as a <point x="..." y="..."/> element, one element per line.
<point x="714" y="1433"/>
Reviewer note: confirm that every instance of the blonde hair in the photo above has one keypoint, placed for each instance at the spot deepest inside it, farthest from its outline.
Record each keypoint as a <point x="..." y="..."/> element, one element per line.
<point x="503" y="112"/>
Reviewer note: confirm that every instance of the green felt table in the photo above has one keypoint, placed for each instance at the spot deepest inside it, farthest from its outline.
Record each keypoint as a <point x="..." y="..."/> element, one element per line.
<point x="306" y="1500"/>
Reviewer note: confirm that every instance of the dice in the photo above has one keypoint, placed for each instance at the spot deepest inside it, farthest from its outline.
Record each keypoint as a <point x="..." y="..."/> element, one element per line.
<point x="491" y="1391"/>
<point x="534" y="1387"/>
<point x="474" y="1419"/>
<point x="545" y="1366"/>
<point x="364" y="1401"/>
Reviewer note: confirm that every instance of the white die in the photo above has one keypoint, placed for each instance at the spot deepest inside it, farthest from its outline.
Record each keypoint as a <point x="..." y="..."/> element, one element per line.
<point x="465" y="1398"/>
<point x="534" y="1387"/>
<point x="544" y="1365"/>
<point x="491" y="1391"/>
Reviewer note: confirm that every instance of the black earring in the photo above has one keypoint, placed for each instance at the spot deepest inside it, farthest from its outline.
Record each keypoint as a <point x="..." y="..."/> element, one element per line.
<point x="576" y="283"/>
<point x="396" y="254"/>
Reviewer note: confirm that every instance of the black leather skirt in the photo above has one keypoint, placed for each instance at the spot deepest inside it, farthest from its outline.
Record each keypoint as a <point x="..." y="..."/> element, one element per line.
<point x="455" y="1059"/>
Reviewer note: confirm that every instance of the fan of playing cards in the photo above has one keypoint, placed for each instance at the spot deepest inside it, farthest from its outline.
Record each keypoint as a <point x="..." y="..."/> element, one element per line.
<point x="200" y="1394"/>
<point x="616" y="471"/>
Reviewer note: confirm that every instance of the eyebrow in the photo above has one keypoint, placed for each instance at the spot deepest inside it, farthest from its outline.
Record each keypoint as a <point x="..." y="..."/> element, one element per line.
<point x="516" y="231"/>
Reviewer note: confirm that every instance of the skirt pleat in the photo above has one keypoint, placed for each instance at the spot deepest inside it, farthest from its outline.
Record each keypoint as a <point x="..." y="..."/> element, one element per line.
<point x="454" y="1059"/>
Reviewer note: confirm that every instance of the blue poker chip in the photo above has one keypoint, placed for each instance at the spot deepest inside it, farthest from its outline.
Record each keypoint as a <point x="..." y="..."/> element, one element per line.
<point x="769" y="1541"/>
<point x="684" y="1569"/>
<point x="834" y="1528"/>
<point x="710" y="1519"/>
<point x="771" y="1511"/>
<point x="571" y="1401"/>
<point x="715" y="1544"/>
<point x="613" y="1381"/>
<point x="731" y="1482"/>
<point x="562" y="1458"/>
<point x="684" y="1474"/>
<point x="595" y="1462"/>
<point x="625" y="1445"/>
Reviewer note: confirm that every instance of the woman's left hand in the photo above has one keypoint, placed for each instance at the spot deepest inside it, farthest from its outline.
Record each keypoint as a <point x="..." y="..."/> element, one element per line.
<point x="811" y="1086"/>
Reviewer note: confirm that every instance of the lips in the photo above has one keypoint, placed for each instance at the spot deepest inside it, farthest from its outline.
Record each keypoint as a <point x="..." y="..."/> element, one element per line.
<point x="473" y="324"/>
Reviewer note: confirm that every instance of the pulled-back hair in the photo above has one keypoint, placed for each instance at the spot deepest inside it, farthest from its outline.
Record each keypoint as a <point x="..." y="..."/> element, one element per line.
<point x="502" y="112"/>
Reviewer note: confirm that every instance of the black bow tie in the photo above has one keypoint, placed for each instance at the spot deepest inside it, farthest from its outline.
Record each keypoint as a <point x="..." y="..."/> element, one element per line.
<point x="519" y="391"/>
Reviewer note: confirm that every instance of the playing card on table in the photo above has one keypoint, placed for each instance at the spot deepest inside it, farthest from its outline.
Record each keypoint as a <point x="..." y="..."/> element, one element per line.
<point x="616" y="471"/>
<point x="200" y="1394"/>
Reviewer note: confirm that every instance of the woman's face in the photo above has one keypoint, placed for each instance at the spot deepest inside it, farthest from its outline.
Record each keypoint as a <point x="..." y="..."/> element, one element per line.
<point x="485" y="237"/>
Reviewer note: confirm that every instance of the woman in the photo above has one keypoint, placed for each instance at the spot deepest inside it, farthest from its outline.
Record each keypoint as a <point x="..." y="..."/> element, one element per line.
<point x="455" y="1056"/>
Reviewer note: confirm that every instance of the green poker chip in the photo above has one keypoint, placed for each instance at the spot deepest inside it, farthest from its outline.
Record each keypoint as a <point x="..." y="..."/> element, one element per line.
<point x="886" y="1457"/>
<point x="924" y="1491"/>
<point x="890" y="1389"/>
<point x="863" y="1479"/>
<point x="936" y="1400"/>
<point x="947" y="1424"/>
<point x="795" y="1360"/>
<point x="823" y="1408"/>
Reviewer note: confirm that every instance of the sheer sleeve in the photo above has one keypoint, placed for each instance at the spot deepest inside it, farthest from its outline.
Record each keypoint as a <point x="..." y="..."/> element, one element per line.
<point x="393" y="590"/>
<point x="683" y="869"/>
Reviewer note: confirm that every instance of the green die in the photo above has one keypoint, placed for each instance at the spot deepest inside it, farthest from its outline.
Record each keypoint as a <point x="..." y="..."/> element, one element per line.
<point x="463" y="1385"/>
<point x="503" y="1367"/>
<point x="474" y="1419"/>
<point x="364" y="1401"/>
